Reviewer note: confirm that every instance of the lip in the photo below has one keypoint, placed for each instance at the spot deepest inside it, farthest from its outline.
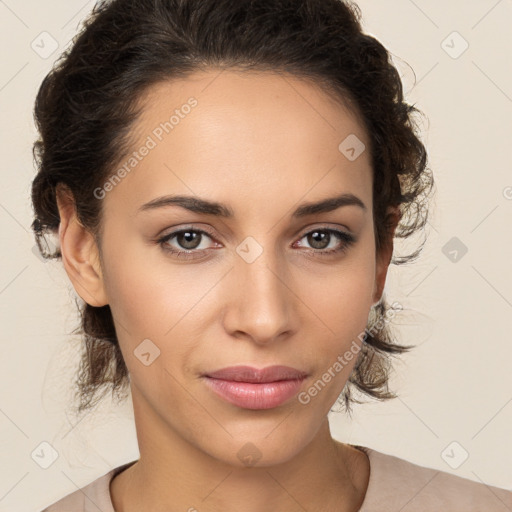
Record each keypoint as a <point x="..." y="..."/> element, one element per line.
<point x="253" y="388"/>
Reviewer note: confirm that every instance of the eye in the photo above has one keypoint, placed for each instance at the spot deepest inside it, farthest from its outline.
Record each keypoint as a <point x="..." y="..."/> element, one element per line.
<point x="189" y="241"/>
<point x="320" y="239"/>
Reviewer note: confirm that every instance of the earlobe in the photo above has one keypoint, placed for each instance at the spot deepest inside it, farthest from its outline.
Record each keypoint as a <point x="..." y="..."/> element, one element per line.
<point x="80" y="254"/>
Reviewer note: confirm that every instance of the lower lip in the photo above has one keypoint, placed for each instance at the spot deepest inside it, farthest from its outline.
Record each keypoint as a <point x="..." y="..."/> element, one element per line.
<point x="249" y="395"/>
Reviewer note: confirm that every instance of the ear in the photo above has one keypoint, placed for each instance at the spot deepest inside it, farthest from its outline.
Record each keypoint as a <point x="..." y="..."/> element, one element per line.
<point x="385" y="253"/>
<point x="80" y="254"/>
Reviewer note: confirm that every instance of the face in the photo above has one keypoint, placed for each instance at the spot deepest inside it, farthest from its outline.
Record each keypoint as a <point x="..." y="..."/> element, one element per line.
<point x="268" y="283"/>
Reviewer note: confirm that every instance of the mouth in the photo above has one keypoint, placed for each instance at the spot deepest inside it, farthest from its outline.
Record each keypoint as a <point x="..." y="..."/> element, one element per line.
<point x="251" y="388"/>
<point x="255" y="375"/>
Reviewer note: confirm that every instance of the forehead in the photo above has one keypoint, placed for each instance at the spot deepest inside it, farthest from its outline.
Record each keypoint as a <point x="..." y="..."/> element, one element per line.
<point x="246" y="136"/>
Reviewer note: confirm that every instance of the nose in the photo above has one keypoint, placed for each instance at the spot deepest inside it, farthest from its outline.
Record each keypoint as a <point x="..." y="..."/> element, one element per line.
<point x="261" y="305"/>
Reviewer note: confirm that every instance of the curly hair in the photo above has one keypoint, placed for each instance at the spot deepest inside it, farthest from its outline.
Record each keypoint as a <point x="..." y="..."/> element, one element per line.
<point x="87" y="104"/>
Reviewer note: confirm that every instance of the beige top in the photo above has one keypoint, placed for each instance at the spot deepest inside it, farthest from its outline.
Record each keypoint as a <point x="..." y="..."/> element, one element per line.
<point x="394" y="485"/>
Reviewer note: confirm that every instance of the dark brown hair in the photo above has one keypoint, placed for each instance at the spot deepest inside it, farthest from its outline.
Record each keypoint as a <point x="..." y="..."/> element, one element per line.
<point x="87" y="104"/>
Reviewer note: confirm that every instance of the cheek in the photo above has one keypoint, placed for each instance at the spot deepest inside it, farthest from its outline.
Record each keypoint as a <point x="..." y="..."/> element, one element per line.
<point x="151" y="298"/>
<point x="340" y="301"/>
<point x="147" y="294"/>
<point x="341" y="312"/>
<point x="342" y="298"/>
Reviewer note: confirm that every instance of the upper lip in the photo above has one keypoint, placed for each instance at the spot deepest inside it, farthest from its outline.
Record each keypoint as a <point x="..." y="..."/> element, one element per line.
<point x="251" y="374"/>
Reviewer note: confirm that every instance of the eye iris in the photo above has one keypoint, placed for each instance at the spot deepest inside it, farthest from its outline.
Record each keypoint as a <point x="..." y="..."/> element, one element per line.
<point x="322" y="235"/>
<point x="186" y="236"/>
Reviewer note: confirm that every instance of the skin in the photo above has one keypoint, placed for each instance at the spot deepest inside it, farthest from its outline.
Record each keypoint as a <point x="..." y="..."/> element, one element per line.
<point x="263" y="144"/>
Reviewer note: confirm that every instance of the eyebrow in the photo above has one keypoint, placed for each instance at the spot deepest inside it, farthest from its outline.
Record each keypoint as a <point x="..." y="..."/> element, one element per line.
<point x="199" y="205"/>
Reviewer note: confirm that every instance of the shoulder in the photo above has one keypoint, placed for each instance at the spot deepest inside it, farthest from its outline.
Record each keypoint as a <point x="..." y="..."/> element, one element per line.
<point x="93" y="497"/>
<point x="397" y="484"/>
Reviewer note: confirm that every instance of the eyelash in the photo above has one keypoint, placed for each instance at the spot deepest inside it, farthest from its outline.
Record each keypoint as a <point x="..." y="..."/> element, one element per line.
<point x="348" y="240"/>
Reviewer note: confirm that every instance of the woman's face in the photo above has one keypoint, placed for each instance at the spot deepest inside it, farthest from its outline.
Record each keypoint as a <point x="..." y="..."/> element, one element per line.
<point x="263" y="286"/>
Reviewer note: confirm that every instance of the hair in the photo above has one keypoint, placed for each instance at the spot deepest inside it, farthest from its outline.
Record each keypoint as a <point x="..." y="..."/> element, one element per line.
<point x="87" y="105"/>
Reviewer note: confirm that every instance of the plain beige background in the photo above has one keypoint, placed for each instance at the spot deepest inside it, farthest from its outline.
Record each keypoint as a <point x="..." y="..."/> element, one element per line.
<point x="455" y="388"/>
